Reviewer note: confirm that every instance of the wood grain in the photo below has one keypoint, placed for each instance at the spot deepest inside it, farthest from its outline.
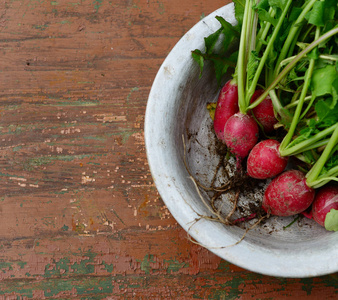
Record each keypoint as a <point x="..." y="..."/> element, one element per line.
<point x="80" y="217"/>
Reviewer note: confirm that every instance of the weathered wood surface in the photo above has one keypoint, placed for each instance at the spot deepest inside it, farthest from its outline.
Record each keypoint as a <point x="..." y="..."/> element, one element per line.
<point x="80" y="217"/>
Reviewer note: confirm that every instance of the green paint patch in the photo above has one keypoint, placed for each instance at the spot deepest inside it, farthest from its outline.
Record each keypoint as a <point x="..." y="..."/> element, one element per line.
<point x="224" y="266"/>
<point x="64" y="228"/>
<point x="307" y="285"/>
<point x="77" y="103"/>
<point x="92" y="163"/>
<point x="10" y="175"/>
<point x="134" y="89"/>
<point x="62" y="192"/>
<point x="85" y="82"/>
<point x="5" y="266"/>
<point x="14" y="129"/>
<point x="45" y="160"/>
<point x="58" y="268"/>
<point x="103" y="286"/>
<point x="202" y="16"/>
<point x="96" y="138"/>
<point x="17" y="148"/>
<point x="97" y="4"/>
<point x="41" y="27"/>
<point x="54" y="3"/>
<point x="108" y="267"/>
<point x="48" y="221"/>
<point x="12" y="107"/>
<point x="86" y="266"/>
<point x="55" y="288"/>
<point x="145" y="263"/>
<point x="161" y="9"/>
<point x="125" y="135"/>
<point x="70" y="102"/>
<point x="175" y="266"/>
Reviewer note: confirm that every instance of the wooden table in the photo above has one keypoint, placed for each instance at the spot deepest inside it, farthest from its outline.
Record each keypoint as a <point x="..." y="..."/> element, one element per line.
<point x="80" y="217"/>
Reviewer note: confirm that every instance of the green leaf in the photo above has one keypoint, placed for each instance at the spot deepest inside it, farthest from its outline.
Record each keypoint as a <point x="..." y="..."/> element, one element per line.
<point x="331" y="162"/>
<point x="265" y="16"/>
<point x="278" y="3"/>
<point x="331" y="8"/>
<point x="239" y="10"/>
<point x="294" y="14"/>
<point x="322" y="80"/>
<point x="334" y="92"/>
<point x="331" y="220"/>
<point x="198" y="57"/>
<point x="305" y="132"/>
<point x="220" y="69"/>
<point x="314" y="54"/>
<point x="316" y="15"/>
<point x="327" y="115"/>
<point x="252" y="66"/>
<point x="263" y="4"/>
<point x="211" y="41"/>
<point x="227" y="27"/>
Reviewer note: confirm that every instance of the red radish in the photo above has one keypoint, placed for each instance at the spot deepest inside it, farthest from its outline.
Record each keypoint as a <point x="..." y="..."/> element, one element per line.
<point x="227" y="105"/>
<point x="264" y="112"/>
<point x="325" y="200"/>
<point x="307" y="213"/>
<point x="288" y="194"/>
<point x="241" y="134"/>
<point x="264" y="160"/>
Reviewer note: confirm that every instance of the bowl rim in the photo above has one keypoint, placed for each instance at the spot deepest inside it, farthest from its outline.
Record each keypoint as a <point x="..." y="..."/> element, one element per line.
<point x="256" y="259"/>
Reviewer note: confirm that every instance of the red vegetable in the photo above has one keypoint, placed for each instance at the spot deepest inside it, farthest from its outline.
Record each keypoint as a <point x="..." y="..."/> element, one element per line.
<point x="227" y="105"/>
<point x="241" y="134"/>
<point x="264" y="112"/>
<point x="264" y="160"/>
<point x="288" y="194"/>
<point x="325" y="200"/>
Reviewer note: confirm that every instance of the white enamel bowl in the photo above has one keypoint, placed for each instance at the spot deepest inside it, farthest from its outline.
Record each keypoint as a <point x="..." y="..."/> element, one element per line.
<point x="176" y="107"/>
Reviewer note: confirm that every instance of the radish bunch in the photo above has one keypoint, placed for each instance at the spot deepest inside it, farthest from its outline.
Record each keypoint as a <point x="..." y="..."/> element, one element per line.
<point x="282" y="101"/>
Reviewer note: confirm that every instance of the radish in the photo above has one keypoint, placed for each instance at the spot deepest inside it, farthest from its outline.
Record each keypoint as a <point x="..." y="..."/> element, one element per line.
<point x="241" y="134"/>
<point x="264" y="160"/>
<point x="227" y="105"/>
<point x="277" y="79"/>
<point x="288" y="194"/>
<point x="325" y="200"/>
<point x="264" y="112"/>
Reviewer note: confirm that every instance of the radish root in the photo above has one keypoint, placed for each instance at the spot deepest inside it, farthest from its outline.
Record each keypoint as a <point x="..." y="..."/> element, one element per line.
<point x="216" y="210"/>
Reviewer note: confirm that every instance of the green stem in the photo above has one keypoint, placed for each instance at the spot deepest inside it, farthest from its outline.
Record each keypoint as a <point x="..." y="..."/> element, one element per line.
<point x="275" y="33"/>
<point x="295" y="103"/>
<point x="280" y="110"/>
<point x="320" y="182"/>
<point x="293" y="31"/>
<point x="305" y="144"/>
<point x="263" y="32"/>
<point x="287" y="139"/>
<point x="288" y="68"/>
<point x="242" y="54"/>
<point x="313" y="174"/>
<point x="333" y="172"/>
<point x="313" y="146"/>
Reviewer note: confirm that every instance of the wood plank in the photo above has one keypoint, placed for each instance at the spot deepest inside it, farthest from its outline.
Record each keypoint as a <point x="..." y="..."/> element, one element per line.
<point x="80" y="216"/>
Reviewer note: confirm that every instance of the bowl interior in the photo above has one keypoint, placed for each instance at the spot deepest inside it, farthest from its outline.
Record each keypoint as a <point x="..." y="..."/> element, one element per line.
<point x="178" y="128"/>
